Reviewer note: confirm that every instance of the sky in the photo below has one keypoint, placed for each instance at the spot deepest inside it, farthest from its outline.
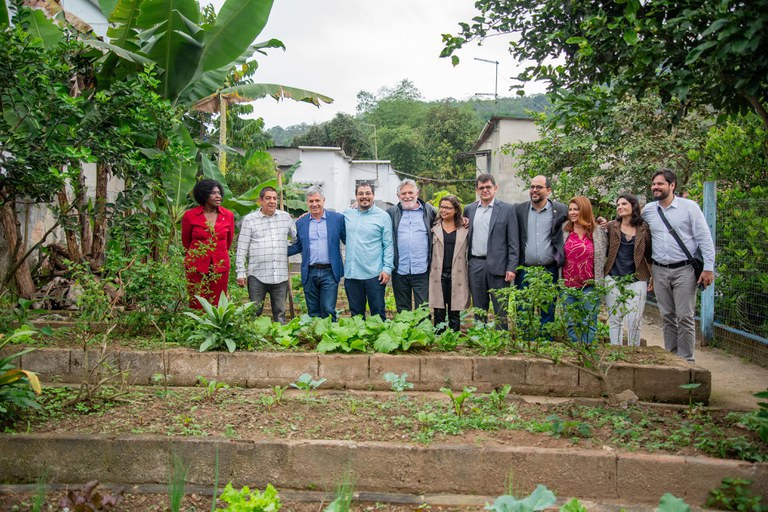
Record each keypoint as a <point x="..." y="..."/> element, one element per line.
<point x="340" y="47"/>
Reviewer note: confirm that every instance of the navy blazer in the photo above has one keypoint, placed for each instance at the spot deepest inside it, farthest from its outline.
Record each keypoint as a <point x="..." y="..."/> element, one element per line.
<point x="503" y="249"/>
<point x="336" y="233"/>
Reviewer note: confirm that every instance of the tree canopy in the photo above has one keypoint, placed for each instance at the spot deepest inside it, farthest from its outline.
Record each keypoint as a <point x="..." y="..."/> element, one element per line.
<point x="704" y="53"/>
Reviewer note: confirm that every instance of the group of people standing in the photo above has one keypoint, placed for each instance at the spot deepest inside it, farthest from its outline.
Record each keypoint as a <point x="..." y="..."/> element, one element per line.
<point x="449" y="257"/>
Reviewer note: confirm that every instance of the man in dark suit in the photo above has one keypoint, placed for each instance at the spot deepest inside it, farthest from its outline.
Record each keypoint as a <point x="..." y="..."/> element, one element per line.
<point x="540" y="224"/>
<point x="319" y="234"/>
<point x="493" y="247"/>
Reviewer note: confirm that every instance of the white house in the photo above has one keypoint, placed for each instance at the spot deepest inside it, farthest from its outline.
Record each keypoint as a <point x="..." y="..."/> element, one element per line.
<point x="498" y="132"/>
<point x="336" y="173"/>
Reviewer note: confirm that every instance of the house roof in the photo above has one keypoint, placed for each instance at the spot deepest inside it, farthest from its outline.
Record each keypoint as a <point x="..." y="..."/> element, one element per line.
<point x="491" y="125"/>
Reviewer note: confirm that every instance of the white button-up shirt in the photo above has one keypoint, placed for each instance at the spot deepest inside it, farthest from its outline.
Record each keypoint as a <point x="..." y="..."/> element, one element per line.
<point x="263" y="242"/>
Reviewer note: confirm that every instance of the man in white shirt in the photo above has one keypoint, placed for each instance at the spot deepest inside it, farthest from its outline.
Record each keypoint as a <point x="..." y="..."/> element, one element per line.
<point x="263" y="242"/>
<point x="674" y="281"/>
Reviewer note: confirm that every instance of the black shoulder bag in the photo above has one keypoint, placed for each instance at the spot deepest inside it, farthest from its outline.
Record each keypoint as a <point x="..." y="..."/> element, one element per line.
<point x="698" y="263"/>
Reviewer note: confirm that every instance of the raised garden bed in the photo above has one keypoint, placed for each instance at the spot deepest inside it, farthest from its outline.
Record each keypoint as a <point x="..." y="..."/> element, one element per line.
<point x="659" y="383"/>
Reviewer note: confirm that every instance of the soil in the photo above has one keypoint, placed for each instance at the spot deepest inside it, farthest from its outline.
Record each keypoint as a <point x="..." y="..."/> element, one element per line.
<point x="379" y="416"/>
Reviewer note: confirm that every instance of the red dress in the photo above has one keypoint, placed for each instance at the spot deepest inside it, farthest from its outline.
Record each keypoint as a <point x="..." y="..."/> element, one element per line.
<point x="207" y="258"/>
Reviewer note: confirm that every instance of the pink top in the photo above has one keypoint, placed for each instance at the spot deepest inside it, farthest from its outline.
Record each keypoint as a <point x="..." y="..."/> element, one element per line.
<point x="579" y="260"/>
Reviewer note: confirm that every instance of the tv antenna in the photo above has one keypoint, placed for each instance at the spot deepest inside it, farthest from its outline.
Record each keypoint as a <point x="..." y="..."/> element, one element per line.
<point x="495" y="93"/>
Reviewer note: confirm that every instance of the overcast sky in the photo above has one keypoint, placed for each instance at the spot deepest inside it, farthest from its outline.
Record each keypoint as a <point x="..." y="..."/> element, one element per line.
<point x="340" y="47"/>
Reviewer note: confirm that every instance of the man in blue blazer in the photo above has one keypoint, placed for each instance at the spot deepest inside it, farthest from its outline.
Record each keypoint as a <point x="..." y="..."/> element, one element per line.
<point x="319" y="234"/>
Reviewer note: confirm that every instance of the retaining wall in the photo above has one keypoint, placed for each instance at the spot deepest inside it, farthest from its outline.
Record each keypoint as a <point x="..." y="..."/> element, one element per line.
<point x="658" y="383"/>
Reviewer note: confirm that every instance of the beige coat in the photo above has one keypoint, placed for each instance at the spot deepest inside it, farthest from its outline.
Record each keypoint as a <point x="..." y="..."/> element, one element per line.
<point x="459" y="273"/>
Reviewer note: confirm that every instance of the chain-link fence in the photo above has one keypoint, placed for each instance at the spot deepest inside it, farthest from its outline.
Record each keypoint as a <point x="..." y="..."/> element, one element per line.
<point x="741" y="285"/>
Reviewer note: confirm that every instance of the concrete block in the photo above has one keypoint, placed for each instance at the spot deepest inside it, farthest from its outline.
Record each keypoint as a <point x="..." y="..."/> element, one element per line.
<point x="704" y="377"/>
<point x="81" y="366"/>
<point x="142" y="365"/>
<point x="286" y="367"/>
<point x="551" y="378"/>
<point x="661" y="383"/>
<point x="450" y="371"/>
<point x="344" y="371"/>
<point x="499" y="370"/>
<point x="185" y="366"/>
<point x="239" y="368"/>
<point x="47" y="363"/>
<point x="381" y="364"/>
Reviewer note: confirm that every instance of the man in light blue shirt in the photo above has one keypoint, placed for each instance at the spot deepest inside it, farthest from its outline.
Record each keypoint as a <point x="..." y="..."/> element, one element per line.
<point x="412" y="221"/>
<point x="674" y="281"/>
<point x="370" y="255"/>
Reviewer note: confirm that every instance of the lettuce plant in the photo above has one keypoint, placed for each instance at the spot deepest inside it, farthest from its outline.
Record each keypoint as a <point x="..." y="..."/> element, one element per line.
<point x="246" y="500"/>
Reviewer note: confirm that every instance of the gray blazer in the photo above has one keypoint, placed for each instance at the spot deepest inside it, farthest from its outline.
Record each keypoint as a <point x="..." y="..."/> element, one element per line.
<point x="503" y="241"/>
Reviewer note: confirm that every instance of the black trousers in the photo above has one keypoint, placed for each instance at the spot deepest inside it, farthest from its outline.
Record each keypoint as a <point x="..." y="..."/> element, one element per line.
<point x="454" y="317"/>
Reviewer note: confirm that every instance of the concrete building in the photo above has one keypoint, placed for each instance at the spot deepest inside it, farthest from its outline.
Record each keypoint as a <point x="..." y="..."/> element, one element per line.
<point x="336" y="173"/>
<point x="498" y="132"/>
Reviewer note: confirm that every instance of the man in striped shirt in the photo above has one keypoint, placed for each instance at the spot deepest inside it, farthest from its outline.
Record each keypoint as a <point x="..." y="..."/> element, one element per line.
<point x="263" y="243"/>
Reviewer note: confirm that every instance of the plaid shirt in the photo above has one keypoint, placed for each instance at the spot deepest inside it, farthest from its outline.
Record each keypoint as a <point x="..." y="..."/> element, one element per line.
<point x="263" y="241"/>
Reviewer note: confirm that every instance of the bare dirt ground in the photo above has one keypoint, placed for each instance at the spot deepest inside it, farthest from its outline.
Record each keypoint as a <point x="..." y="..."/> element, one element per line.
<point x="734" y="381"/>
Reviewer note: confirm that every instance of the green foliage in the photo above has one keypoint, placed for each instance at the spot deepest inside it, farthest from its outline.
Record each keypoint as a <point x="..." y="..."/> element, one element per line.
<point x="398" y="383"/>
<point x="343" y="131"/>
<point x="219" y="327"/>
<point x="734" y="494"/>
<point x="604" y="52"/>
<point x="498" y="397"/>
<point x="307" y="384"/>
<point x="177" y="480"/>
<point x="670" y="503"/>
<point x="573" y="506"/>
<point x="246" y="500"/>
<point x="343" y="494"/>
<point x="457" y="400"/>
<point x="17" y="387"/>
<point x="540" y="499"/>
<point x="210" y="387"/>
<point x="278" y="390"/>
<point x="761" y="417"/>
<point x="568" y="428"/>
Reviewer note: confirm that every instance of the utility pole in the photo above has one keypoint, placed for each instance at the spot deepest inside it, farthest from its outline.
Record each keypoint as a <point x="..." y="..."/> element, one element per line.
<point x="496" y="86"/>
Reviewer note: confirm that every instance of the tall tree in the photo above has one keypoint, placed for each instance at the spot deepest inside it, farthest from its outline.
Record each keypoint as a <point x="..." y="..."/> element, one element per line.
<point x="705" y="53"/>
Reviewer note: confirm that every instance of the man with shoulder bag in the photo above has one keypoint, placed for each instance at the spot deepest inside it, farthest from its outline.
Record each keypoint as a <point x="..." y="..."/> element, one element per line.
<point x="683" y="257"/>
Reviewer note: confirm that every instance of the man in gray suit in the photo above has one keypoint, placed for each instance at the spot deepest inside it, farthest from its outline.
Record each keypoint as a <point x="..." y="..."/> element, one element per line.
<point x="493" y="247"/>
<point x="540" y="224"/>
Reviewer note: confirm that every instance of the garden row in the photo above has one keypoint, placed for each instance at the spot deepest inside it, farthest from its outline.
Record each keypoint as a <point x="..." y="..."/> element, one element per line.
<point x="381" y="467"/>
<point x="428" y="372"/>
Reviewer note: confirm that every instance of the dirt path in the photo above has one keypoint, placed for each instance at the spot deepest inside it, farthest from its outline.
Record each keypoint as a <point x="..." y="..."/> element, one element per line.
<point x="734" y="381"/>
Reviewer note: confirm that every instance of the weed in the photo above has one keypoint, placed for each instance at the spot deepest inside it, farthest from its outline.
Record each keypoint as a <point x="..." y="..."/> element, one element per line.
<point x="498" y="397"/>
<point x="41" y="489"/>
<point x="734" y="494"/>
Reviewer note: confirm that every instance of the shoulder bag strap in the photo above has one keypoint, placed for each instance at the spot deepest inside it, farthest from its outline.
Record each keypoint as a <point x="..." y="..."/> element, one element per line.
<point x="674" y="234"/>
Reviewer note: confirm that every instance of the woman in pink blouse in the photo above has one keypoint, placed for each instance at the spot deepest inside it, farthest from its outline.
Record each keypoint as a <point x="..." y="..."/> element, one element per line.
<point x="585" y="248"/>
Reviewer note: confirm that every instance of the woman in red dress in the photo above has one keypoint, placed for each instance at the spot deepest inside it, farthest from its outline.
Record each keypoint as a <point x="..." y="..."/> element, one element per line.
<point x="207" y="232"/>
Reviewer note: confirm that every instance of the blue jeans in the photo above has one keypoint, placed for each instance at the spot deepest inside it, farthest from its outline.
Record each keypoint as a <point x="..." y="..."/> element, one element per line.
<point x="321" y="291"/>
<point x="361" y="290"/>
<point x="583" y="327"/>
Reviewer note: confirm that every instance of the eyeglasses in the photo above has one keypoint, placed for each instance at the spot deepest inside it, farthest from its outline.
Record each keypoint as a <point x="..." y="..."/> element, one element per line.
<point x="447" y="207"/>
<point x="485" y="187"/>
<point x="538" y="187"/>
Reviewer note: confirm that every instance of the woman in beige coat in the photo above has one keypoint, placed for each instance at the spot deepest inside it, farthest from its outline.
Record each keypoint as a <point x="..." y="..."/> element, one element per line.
<point x="448" y="276"/>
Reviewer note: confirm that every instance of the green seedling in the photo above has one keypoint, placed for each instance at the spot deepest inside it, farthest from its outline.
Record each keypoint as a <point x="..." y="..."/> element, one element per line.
<point x="690" y="387"/>
<point x="306" y="384"/>
<point x="540" y="499"/>
<point x="210" y="388"/>
<point x="734" y="494"/>
<point x="498" y="397"/>
<point x="177" y="482"/>
<point x="279" y="390"/>
<point x="458" y="400"/>
<point x="268" y="401"/>
<point x="398" y="383"/>
<point x="670" y="503"/>
<point x="342" y="496"/>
